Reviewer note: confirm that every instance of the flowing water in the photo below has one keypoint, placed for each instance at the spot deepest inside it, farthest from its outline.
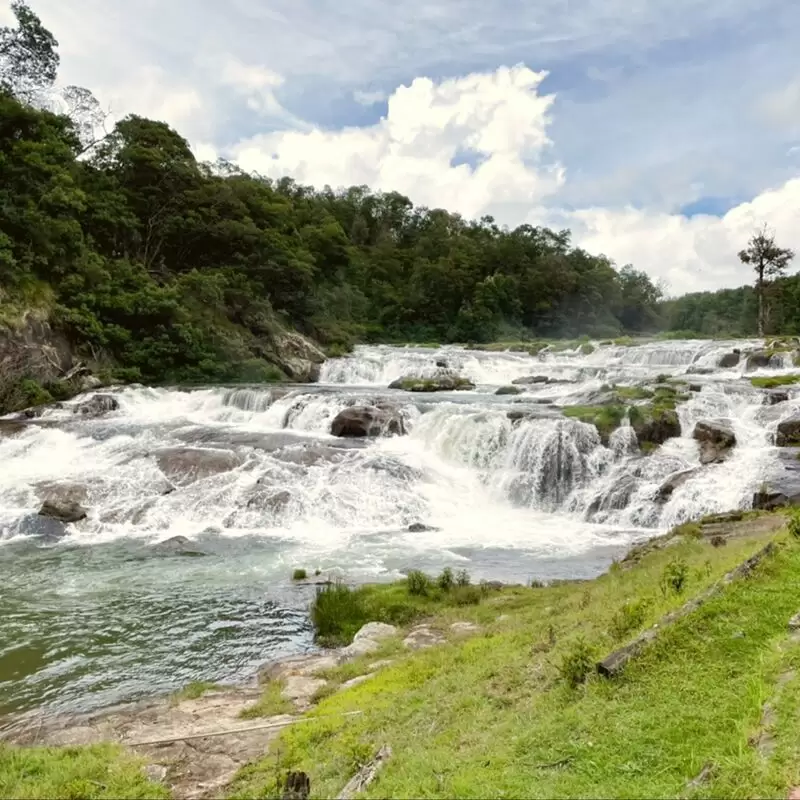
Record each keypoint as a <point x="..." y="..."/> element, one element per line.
<point x="97" y="616"/>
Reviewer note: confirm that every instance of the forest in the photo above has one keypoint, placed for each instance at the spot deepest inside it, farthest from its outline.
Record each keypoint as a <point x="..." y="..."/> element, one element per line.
<point x="176" y="270"/>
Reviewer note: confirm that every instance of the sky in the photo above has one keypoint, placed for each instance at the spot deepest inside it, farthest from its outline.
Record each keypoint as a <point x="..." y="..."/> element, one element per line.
<point x="661" y="132"/>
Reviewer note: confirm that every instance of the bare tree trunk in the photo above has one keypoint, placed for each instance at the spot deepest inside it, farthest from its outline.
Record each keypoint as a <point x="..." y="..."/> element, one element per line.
<point x="760" y="291"/>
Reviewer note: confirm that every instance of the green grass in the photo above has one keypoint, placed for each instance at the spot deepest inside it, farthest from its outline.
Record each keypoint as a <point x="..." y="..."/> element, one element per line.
<point x="605" y="418"/>
<point x="512" y="712"/>
<point x="434" y="385"/>
<point x="775" y="380"/>
<point x="195" y="690"/>
<point x="299" y="574"/>
<point x="270" y="704"/>
<point x="99" y="771"/>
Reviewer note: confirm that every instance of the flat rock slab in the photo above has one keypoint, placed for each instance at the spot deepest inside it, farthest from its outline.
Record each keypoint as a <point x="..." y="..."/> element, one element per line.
<point x="422" y="637"/>
<point x="301" y="688"/>
<point x="464" y="627"/>
<point x="194" y="768"/>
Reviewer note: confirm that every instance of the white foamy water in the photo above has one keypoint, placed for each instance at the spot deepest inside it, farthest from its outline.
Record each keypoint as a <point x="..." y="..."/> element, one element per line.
<point x="501" y="485"/>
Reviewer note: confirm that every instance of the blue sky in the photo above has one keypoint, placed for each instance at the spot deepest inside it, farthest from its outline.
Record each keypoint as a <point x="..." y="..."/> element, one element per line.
<point x="662" y="131"/>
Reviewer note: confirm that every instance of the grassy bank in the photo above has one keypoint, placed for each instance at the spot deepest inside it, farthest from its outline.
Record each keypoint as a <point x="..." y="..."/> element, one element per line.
<point x="518" y="710"/>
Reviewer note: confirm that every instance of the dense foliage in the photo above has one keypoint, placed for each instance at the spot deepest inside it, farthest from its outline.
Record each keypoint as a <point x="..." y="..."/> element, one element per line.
<point x="177" y="269"/>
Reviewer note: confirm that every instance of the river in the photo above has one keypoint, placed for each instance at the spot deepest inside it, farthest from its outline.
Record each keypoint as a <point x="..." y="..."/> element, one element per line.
<point x="97" y="617"/>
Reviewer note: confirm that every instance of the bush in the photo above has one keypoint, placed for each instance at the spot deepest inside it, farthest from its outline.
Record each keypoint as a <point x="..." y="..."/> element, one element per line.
<point x="337" y="613"/>
<point x="576" y="664"/>
<point x="675" y="576"/>
<point x="467" y="595"/>
<point x="418" y="583"/>
<point x="446" y="581"/>
<point x="462" y="578"/>
<point x="628" y="618"/>
<point x="794" y="525"/>
<point x="299" y="575"/>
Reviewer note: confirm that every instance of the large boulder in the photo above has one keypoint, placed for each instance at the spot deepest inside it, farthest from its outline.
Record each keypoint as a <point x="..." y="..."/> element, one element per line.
<point x="368" y="421"/>
<point x="63" y="501"/>
<point x="11" y="427"/>
<point x="673" y="482"/>
<point x="774" y="396"/>
<point x="782" y="484"/>
<point x="185" y="465"/>
<point x="267" y="499"/>
<point x="297" y="356"/>
<point x="509" y="390"/>
<point x="656" y="429"/>
<point x="96" y="405"/>
<point x="729" y="360"/>
<point x="446" y="382"/>
<point x="176" y="546"/>
<point x="716" y="438"/>
<point x="758" y="359"/>
<point x="788" y="431"/>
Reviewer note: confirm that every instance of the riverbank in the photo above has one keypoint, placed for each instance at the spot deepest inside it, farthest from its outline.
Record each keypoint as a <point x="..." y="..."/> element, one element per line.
<point x="502" y="696"/>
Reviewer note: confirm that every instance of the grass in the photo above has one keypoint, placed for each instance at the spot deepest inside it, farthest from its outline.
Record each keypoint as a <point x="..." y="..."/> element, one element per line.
<point x="98" y="771"/>
<point x="338" y="611"/>
<point x="195" y="690"/>
<point x="270" y="704"/>
<point x="773" y="381"/>
<point x="299" y="574"/>
<point x="605" y="418"/>
<point x="517" y="712"/>
<point x="434" y="384"/>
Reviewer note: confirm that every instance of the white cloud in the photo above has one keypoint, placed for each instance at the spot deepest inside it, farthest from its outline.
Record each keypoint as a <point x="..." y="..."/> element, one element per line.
<point x="691" y="254"/>
<point x="499" y="118"/>
<point x="368" y="98"/>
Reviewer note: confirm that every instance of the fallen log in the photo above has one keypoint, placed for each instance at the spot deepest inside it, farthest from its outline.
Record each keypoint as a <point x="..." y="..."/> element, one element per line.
<point x="615" y="662"/>
<point x="366" y="774"/>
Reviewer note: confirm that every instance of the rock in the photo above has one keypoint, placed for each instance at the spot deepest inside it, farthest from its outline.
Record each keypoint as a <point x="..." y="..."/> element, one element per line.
<point x="361" y="647"/>
<point x="300" y="689"/>
<point x="88" y="382"/>
<point x="509" y="390"/>
<point x="464" y="627"/>
<point x="794" y="622"/>
<point x="448" y="382"/>
<point x="615" y="498"/>
<point x="774" y="396"/>
<point x="421" y="527"/>
<point x="63" y="501"/>
<point x="758" y="359"/>
<point x="156" y="773"/>
<point x="310" y="455"/>
<point x="695" y="370"/>
<point x="384" y="662"/>
<point x="442" y="364"/>
<point x="297" y="356"/>
<point x="673" y="482"/>
<point x="729" y="360"/>
<point x="782" y="485"/>
<point x="530" y="379"/>
<point x="656" y="430"/>
<point x="375" y="631"/>
<point x="356" y="681"/>
<point x="176" y="546"/>
<point x="268" y="500"/>
<point x="96" y="406"/>
<point x="47" y="528"/>
<point x="11" y="427"/>
<point x="185" y="465"/>
<point x="716" y="438"/>
<point x="422" y="637"/>
<point x="368" y="421"/>
<point x="788" y="431"/>
<point x="300" y="665"/>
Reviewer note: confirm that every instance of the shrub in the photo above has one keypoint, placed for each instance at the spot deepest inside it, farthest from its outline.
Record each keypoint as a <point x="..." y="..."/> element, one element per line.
<point x="299" y="575"/>
<point x="418" y="583"/>
<point x="337" y="613"/>
<point x="446" y="580"/>
<point x="675" y="576"/>
<point x="467" y="595"/>
<point x="576" y="664"/>
<point x="462" y="578"/>
<point x="628" y="618"/>
<point x="794" y="525"/>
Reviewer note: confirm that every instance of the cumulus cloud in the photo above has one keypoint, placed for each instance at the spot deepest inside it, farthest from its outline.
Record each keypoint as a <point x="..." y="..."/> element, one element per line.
<point x="424" y="145"/>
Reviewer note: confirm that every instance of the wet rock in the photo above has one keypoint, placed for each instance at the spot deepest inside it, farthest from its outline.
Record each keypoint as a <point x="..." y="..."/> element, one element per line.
<point x="96" y="406"/>
<point x="442" y="364"/>
<point x="525" y="414"/>
<point x="47" y="528"/>
<point x="63" y="511"/>
<point x="729" y="360"/>
<point x="657" y="429"/>
<point x="176" y="546"/>
<point x="695" y="387"/>
<point x="63" y="501"/>
<point x="421" y="527"/>
<point x="616" y="498"/>
<point x="503" y="390"/>
<point x="716" y="438"/>
<point x="774" y="396"/>
<point x="368" y="421"/>
<point x="397" y="469"/>
<point x="266" y="499"/>
<point x="788" y="431"/>
<point x="311" y="455"/>
<point x="758" y="359"/>
<point x="447" y="382"/>
<point x="530" y="380"/>
<point x="11" y="427"/>
<point x="297" y="356"/>
<point x="185" y="465"/>
<point x="673" y="482"/>
<point x="782" y="486"/>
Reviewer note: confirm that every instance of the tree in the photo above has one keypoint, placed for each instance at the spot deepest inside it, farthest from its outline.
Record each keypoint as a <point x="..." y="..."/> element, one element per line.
<point x="769" y="262"/>
<point x="28" y="55"/>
